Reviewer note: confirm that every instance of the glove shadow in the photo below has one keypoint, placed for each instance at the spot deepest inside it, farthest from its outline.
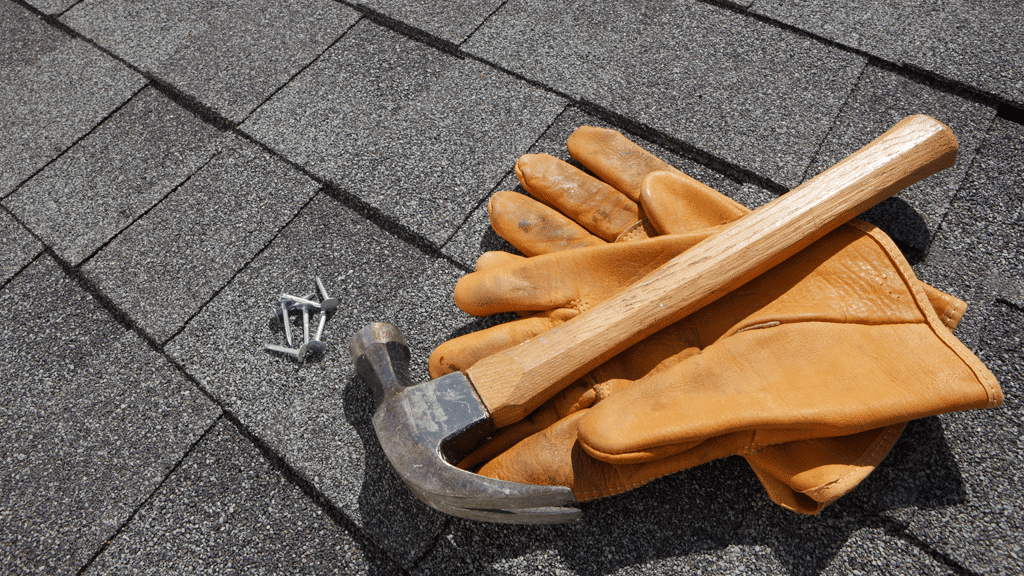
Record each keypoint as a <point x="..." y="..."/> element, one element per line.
<point x="718" y="505"/>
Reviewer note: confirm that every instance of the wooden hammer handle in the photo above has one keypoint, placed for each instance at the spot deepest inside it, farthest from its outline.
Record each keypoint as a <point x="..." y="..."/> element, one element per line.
<point x="514" y="382"/>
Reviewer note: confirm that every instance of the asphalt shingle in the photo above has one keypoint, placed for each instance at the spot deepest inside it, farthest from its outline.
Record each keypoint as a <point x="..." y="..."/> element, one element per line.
<point x="884" y="28"/>
<point x="317" y="415"/>
<point x="983" y="531"/>
<point x="977" y="43"/>
<point x="874" y="551"/>
<point x="743" y="90"/>
<point x="228" y="55"/>
<point x="451" y="21"/>
<point x="52" y="6"/>
<point x="417" y="134"/>
<point x="166" y="265"/>
<point x="976" y="252"/>
<point x="880" y="100"/>
<point x="17" y="246"/>
<point x="228" y="510"/>
<point x="53" y="89"/>
<point x="113" y="175"/>
<point x="683" y="523"/>
<point x="91" y="421"/>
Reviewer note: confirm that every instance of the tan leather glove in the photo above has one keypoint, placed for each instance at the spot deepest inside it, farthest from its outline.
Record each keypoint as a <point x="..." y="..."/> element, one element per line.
<point x="762" y="396"/>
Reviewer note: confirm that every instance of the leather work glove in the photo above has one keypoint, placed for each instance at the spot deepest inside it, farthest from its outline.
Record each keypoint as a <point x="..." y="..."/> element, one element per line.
<point x="809" y="372"/>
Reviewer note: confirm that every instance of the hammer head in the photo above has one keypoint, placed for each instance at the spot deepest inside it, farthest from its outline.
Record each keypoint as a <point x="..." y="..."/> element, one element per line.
<point x="424" y="428"/>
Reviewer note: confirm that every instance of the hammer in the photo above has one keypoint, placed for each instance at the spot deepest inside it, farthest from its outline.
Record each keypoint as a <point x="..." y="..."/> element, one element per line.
<point x="425" y="428"/>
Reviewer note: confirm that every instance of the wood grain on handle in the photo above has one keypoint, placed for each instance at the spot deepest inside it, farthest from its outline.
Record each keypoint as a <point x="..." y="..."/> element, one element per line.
<point x="514" y="382"/>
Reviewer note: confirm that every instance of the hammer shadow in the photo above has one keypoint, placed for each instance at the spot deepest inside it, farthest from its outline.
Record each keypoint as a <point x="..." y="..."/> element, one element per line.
<point x="402" y="525"/>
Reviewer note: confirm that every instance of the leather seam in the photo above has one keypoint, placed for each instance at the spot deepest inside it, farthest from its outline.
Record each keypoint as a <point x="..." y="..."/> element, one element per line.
<point x="957" y="347"/>
<point x="630" y="233"/>
<point x="860" y="463"/>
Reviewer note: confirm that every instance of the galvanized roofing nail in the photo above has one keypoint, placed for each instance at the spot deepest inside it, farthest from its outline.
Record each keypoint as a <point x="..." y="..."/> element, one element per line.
<point x="299" y="354"/>
<point x="282" y="314"/>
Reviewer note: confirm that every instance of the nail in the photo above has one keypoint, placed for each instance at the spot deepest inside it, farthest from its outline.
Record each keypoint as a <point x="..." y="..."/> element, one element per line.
<point x="286" y="320"/>
<point x="327" y="303"/>
<point x="299" y="354"/>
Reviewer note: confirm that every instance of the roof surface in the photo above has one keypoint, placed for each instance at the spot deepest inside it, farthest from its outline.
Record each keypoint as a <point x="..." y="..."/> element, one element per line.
<point x="168" y="167"/>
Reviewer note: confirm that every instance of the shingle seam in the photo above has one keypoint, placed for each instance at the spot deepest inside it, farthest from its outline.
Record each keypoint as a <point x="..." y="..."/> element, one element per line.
<point x="75" y="143"/>
<point x="65" y="11"/>
<point x="301" y="70"/>
<point x="482" y="22"/>
<point x="954" y="200"/>
<point x="296" y="478"/>
<point x="242" y="268"/>
<point x="407" y="30"/>
<point x="386" y="223"/>
<point x="390" y="224"/>
<point x="42" y="250"/>
<point x="1011" y="305"/>
<point x="149" y="498"/>
<point x="835" y="121"/>
<point x="906" y="70"/>
<point x="128" y="324"/>
<point x="143" y="214"/>
<point x="469" y="215"/>
<point x="898" y="530"/>
<point x="184" y="100"/>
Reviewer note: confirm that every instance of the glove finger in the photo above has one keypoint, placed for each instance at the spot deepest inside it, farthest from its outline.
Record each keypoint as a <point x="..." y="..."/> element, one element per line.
<point x="596" y="206"/>
<point x="496" y="259"/>
<point x="677" y="204"/>
<point x="568" y="279"/>
<point x="614" y="159"/>
<point x="534" y="228"/>
<point x="458" y="354"/>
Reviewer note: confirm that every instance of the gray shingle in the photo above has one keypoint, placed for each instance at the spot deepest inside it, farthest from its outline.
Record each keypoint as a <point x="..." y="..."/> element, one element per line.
<point x="977" y="249"/>
<point x="874" y="551"/>
<point x="53" y="89"/>
<point x="880" y="100"/>
<point x="685" y="523"/>
<point x="452" y="21"/>
<point x="228" y="510"/>
<point x="982" y="530"/>
<point x="103" y="183"/>
<point x="166" y="265"/>
<point x="418" y="134"/>
<point x="317" y="416"/>
<point x="228" y="55"/>
<point x="475" y="236"/>
<point x="884" y="28"/>
<point x="91" y="420"/>
<point x="743" y="90"/>
<point x="977" y="43"/>
<point x="17" y="246"/>
<point x="52" y="6"/>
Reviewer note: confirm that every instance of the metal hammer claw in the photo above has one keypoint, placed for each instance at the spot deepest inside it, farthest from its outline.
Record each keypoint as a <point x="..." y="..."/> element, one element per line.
<point x="423" y="428"/>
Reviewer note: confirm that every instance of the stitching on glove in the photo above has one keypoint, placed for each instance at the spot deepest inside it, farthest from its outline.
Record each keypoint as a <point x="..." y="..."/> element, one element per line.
<point x="771" y="324"/>
<point x="579" y="305"/>
<point x="883" y="441"/>
<point x="981" y="373"/>
<point x="952" y="311"/>
<point x="603" y="390"/>
<point x="634" y="232"/>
